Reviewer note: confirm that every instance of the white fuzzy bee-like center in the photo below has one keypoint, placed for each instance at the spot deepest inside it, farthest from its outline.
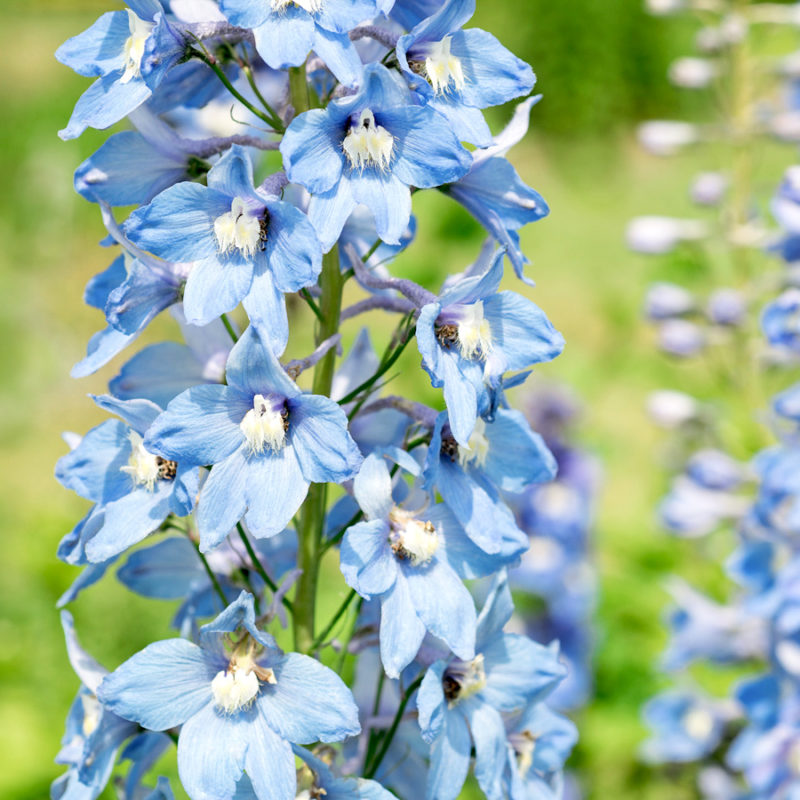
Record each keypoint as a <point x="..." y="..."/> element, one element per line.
<point x="368" y="144"/>
<point x="477" y="449"/>
<point x="412" y="538"/>
<point x="142" y="465"/>
<point x="463" y="679"/>
<point x="474" y="332"/>
<point x="238" y="229"/>
<point x="698" y="723"/>
<point x="524" y="744"/>
<point x="236" y="687"/>
<point x="264" y="426"/>
<point x="134" y="46"/>
<point x="312" y="6"/>
<point x="443" y="68"/>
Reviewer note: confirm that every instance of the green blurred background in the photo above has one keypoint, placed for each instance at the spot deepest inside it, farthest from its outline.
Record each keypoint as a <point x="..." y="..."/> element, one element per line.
<point x="602" y="67"/>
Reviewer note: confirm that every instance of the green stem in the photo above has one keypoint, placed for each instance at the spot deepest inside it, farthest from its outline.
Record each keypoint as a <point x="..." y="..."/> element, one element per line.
<point x="259" y="567"/>
<point x="306" y="295"/>
<point x="387" y="739"/>
<point x="335" y="619"/>
<point x="228" y="327"/>
<point x="312" y="516"/>
<point x="337" y="537"/>
<point x="298" y="89"/>
<point x="211" y="576"/>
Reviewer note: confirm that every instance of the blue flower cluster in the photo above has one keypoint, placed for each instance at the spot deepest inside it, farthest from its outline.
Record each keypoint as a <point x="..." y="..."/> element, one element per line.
<point x="732" y="489"/>
<point x="276" y="149"/>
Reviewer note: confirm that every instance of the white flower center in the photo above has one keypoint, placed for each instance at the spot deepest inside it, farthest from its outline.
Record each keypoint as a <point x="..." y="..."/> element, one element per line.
<point x="312" y="6"/>
<point x="368" y="144"/>
<point x="412" y="538"/>
<point x="263" y="426"/>
<point x="92" y="712"/>
<point x="463" y="679"/>
<point x="142" y="466"/>
<point x="477" y="448"/>
<point x="441" y="67"/>
<point x="698" y="723"/>
<point x="474" y="332"/>
<point x="238" y="229"/>
<point x="235" y="688"/>
<point x="524" y="744"/>
<point x="134" y="46"/>
<point x="793" y="758"/>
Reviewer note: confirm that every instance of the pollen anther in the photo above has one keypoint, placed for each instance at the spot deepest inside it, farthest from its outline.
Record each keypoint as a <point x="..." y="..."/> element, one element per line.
<point x="368" y="144"/>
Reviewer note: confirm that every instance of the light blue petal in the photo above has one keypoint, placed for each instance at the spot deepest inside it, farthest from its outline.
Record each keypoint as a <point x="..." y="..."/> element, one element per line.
<point x="340" y="56"/>
<point x="285" y="37"/>
<point x="141" y="297"/>
<point x="449" y="759"/>
<point x="129" y="520"/>
<point x="329" y="210"/>
<point x="138" y="413"/>
<point x="275" y="490"/>
<point x="167" y="570"/>
<point x="343" y="15"/>
<point x="431" y="703"/>
<point x="88" y="577"/>
<point x="103" y="346"/>
<point x="178" y="225"/>
<point x="211" y="753"/>
<point x="101" y="285"/>
<point x="239" y="614"/>
<point x="311" y="150"/>
<point x="459" y="396"/>
<point x="401" y="630"/>
<point x="161" y="686"/>
<point x="222" y="501"/>
<point x="158" y="373"/>
<point x="244" y="13"/>
<point x="318" y="434"/>
<point x="389" y="199"/>
<point x="254" y="368"/>
<point x="489" y="735"/>
<point x="105" y="102"/>
<point x="427" y="152"/>
<point x="292" y="248"/>
<point x="444" y="605"/>
<point x="200" y="426"/>
<point x="373" y="488"/>
<point x="468" y="124"/>
<point x="86" y="668"/>
<point x="292" y="706"/>
<point x="366" y="559"/>
<point x="517" y="456"/>
<point x="492" y="74"/>
<point x="233" y="173"/>
<point x="266" y="310"/>
<point x="215" y="287"/>
<point x="100" y="48"/>
<point x="270" y="763"/>
<point x="497" y="609"/>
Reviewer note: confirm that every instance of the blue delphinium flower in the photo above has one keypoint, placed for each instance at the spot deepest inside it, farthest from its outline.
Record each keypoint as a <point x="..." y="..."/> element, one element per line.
<point x="503" y="454"/>
<point x="249" y="246"/>
<point x="240" y="701"/>
<point x="265" y="439"/>
<point x="540" y="741"/>
<point x="460" y="72"/>
<point x="780" y="320"/>
<point x="494" y="193"/>
<point x="129" y="52"/>
<point x="413" y="562"/>
<point x="286" y="30"/>
<point x="472" y="334"/>
<point x="135" y="488"/>
<point x="370" y="148"/>
<point x="460" y="703"/>
<point x="685" y="727"/>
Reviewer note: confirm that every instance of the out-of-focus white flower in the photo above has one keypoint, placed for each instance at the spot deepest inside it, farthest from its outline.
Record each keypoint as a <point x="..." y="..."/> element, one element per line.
<point x="786" y="126"/>
<point x="663" y="8"/>
<point x="708" y="188"/>
<point x="666" y="137"/>
<point x="681" y="338"/>
<point x="693" y="73"/>
<point x="656" y="235"/>
<point x="670" y="409"/>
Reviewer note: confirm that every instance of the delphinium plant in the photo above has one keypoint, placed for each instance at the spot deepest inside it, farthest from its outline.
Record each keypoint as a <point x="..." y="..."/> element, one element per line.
<point x="275" y="148"/>
<point x="735" y="449"/>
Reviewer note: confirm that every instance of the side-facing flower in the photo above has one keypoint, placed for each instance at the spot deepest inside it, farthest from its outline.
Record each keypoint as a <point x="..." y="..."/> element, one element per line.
<point x="135" y="488"/>
<point x="460" y="703"/>
<point x="460" y="72"/>
<point x="249" y="245"/>
<point x="265" y="439"/>
<point x="129" y="52"/>
<point x="370" y="148"/>
<point x="472" y="334"/>
<point x="240" y="700"/>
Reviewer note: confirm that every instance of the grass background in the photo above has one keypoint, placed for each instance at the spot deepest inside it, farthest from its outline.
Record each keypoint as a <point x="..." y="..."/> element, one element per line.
<point x="602" y="67"/>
